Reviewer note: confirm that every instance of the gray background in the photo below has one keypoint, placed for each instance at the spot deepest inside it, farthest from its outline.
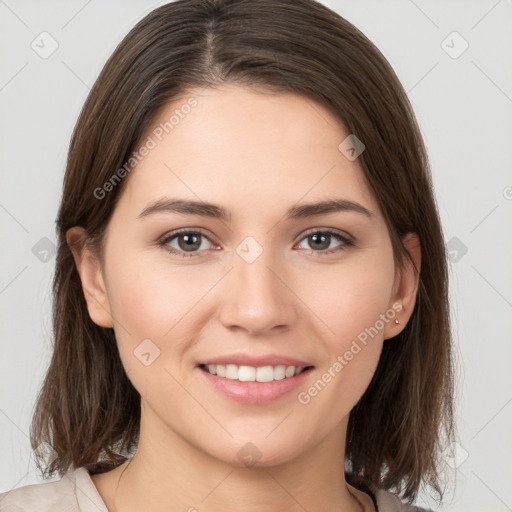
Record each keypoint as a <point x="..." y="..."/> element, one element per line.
<point x="463" y="101"/>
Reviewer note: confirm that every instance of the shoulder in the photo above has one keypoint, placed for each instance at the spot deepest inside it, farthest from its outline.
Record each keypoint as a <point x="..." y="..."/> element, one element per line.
<point x="74" y="492"/>
<point x="389" y="502"/>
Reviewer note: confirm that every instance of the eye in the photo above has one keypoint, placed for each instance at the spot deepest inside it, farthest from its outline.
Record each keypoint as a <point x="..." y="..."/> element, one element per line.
<point x="321" y="240"/>
<point x="188" y="242"/>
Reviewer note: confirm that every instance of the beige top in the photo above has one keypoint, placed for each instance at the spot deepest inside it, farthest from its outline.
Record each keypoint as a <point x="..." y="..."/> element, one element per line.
<point x="76" y="492"/>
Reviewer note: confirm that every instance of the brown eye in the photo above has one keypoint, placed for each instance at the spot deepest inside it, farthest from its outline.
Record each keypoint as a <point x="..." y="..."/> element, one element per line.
<point x="185" y="243"/>
<point x="189" y="242"/>
<point x="320" y="241"/>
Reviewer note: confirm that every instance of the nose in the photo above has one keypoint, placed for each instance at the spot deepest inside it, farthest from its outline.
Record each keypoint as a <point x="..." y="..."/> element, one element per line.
<point x="256" y="297"/>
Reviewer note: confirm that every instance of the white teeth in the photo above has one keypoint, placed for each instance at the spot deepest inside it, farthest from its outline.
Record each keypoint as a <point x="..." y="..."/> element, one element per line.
<point x="265" y="374"/>
<point x="290" y="371"/>
<point x="279" y="372"/>
<point x="247" y="373"/>
<point x="232" y="371"/>
<point x="253" y="374"/>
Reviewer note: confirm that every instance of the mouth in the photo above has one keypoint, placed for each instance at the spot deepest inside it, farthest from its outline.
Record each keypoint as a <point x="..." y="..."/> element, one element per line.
<point x="244" y="373"/>
<point x="254" y="385"/>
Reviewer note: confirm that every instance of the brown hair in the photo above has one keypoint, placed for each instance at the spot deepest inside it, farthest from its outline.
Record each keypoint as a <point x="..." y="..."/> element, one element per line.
<point x="87" y="410"/>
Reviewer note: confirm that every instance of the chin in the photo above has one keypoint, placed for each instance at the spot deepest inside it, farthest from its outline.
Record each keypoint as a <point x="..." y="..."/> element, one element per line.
<point x="259" y="452"/>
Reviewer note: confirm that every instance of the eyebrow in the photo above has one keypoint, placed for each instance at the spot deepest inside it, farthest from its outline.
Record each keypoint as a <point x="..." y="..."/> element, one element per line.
<point x="302" y="211"/>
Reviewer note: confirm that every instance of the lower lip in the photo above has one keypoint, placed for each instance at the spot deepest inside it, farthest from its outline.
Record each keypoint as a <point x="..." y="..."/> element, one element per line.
<point x="254" y="392"/>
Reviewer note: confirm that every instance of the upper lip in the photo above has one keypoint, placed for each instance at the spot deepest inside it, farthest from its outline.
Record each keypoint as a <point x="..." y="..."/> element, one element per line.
<point x="256" y="361"/>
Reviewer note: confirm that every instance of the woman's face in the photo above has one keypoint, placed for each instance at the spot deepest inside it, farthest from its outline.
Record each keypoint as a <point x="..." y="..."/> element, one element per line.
<point x="261" y="285"/>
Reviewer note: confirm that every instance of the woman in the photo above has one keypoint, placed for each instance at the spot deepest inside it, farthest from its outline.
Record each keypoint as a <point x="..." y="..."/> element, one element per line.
<point x="250" y="298"/>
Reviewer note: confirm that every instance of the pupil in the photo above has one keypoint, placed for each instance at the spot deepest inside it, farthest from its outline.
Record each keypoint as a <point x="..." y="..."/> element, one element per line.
<point x="325" y="238"/>
<point x="191" y="241"/>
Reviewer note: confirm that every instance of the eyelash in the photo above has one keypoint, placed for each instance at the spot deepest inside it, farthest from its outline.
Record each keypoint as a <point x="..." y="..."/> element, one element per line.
<point x="335" y="234"/>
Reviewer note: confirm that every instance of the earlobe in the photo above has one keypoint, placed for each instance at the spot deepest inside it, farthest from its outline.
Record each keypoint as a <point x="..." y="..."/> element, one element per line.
<point x="91" y="277"/>
<point x="406" y="287"/>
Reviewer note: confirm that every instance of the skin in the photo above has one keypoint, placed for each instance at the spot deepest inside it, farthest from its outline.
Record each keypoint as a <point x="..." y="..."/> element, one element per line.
<point x="292" y="300"/>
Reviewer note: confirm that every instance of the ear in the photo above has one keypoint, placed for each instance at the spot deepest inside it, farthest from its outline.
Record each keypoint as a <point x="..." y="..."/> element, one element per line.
<point x="91" y="276"/>
<point x="406" y="287"/>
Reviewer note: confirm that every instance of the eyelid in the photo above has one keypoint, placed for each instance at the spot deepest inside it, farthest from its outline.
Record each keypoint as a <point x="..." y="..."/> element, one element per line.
<point x="172" y="234"/>
<point x="302" y="234"/>
<point x="326" y="229"/>
<point x="167" y="237"/>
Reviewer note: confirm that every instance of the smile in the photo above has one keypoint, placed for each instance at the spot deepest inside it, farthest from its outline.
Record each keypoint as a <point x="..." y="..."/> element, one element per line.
<point x="253" y="385"/>
<point x="253" y="373"/>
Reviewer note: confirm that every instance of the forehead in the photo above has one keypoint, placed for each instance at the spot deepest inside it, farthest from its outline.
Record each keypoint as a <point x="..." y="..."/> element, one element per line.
<point x="247" y="146"/>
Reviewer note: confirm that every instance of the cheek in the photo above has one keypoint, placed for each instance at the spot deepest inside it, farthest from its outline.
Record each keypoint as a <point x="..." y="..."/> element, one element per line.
<point x="140" y="300"/>
<point x="350" y="297"/>
<point x="148" y="294"/>
<point x="150" y="300"/>
<point x="352" y="302"/>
